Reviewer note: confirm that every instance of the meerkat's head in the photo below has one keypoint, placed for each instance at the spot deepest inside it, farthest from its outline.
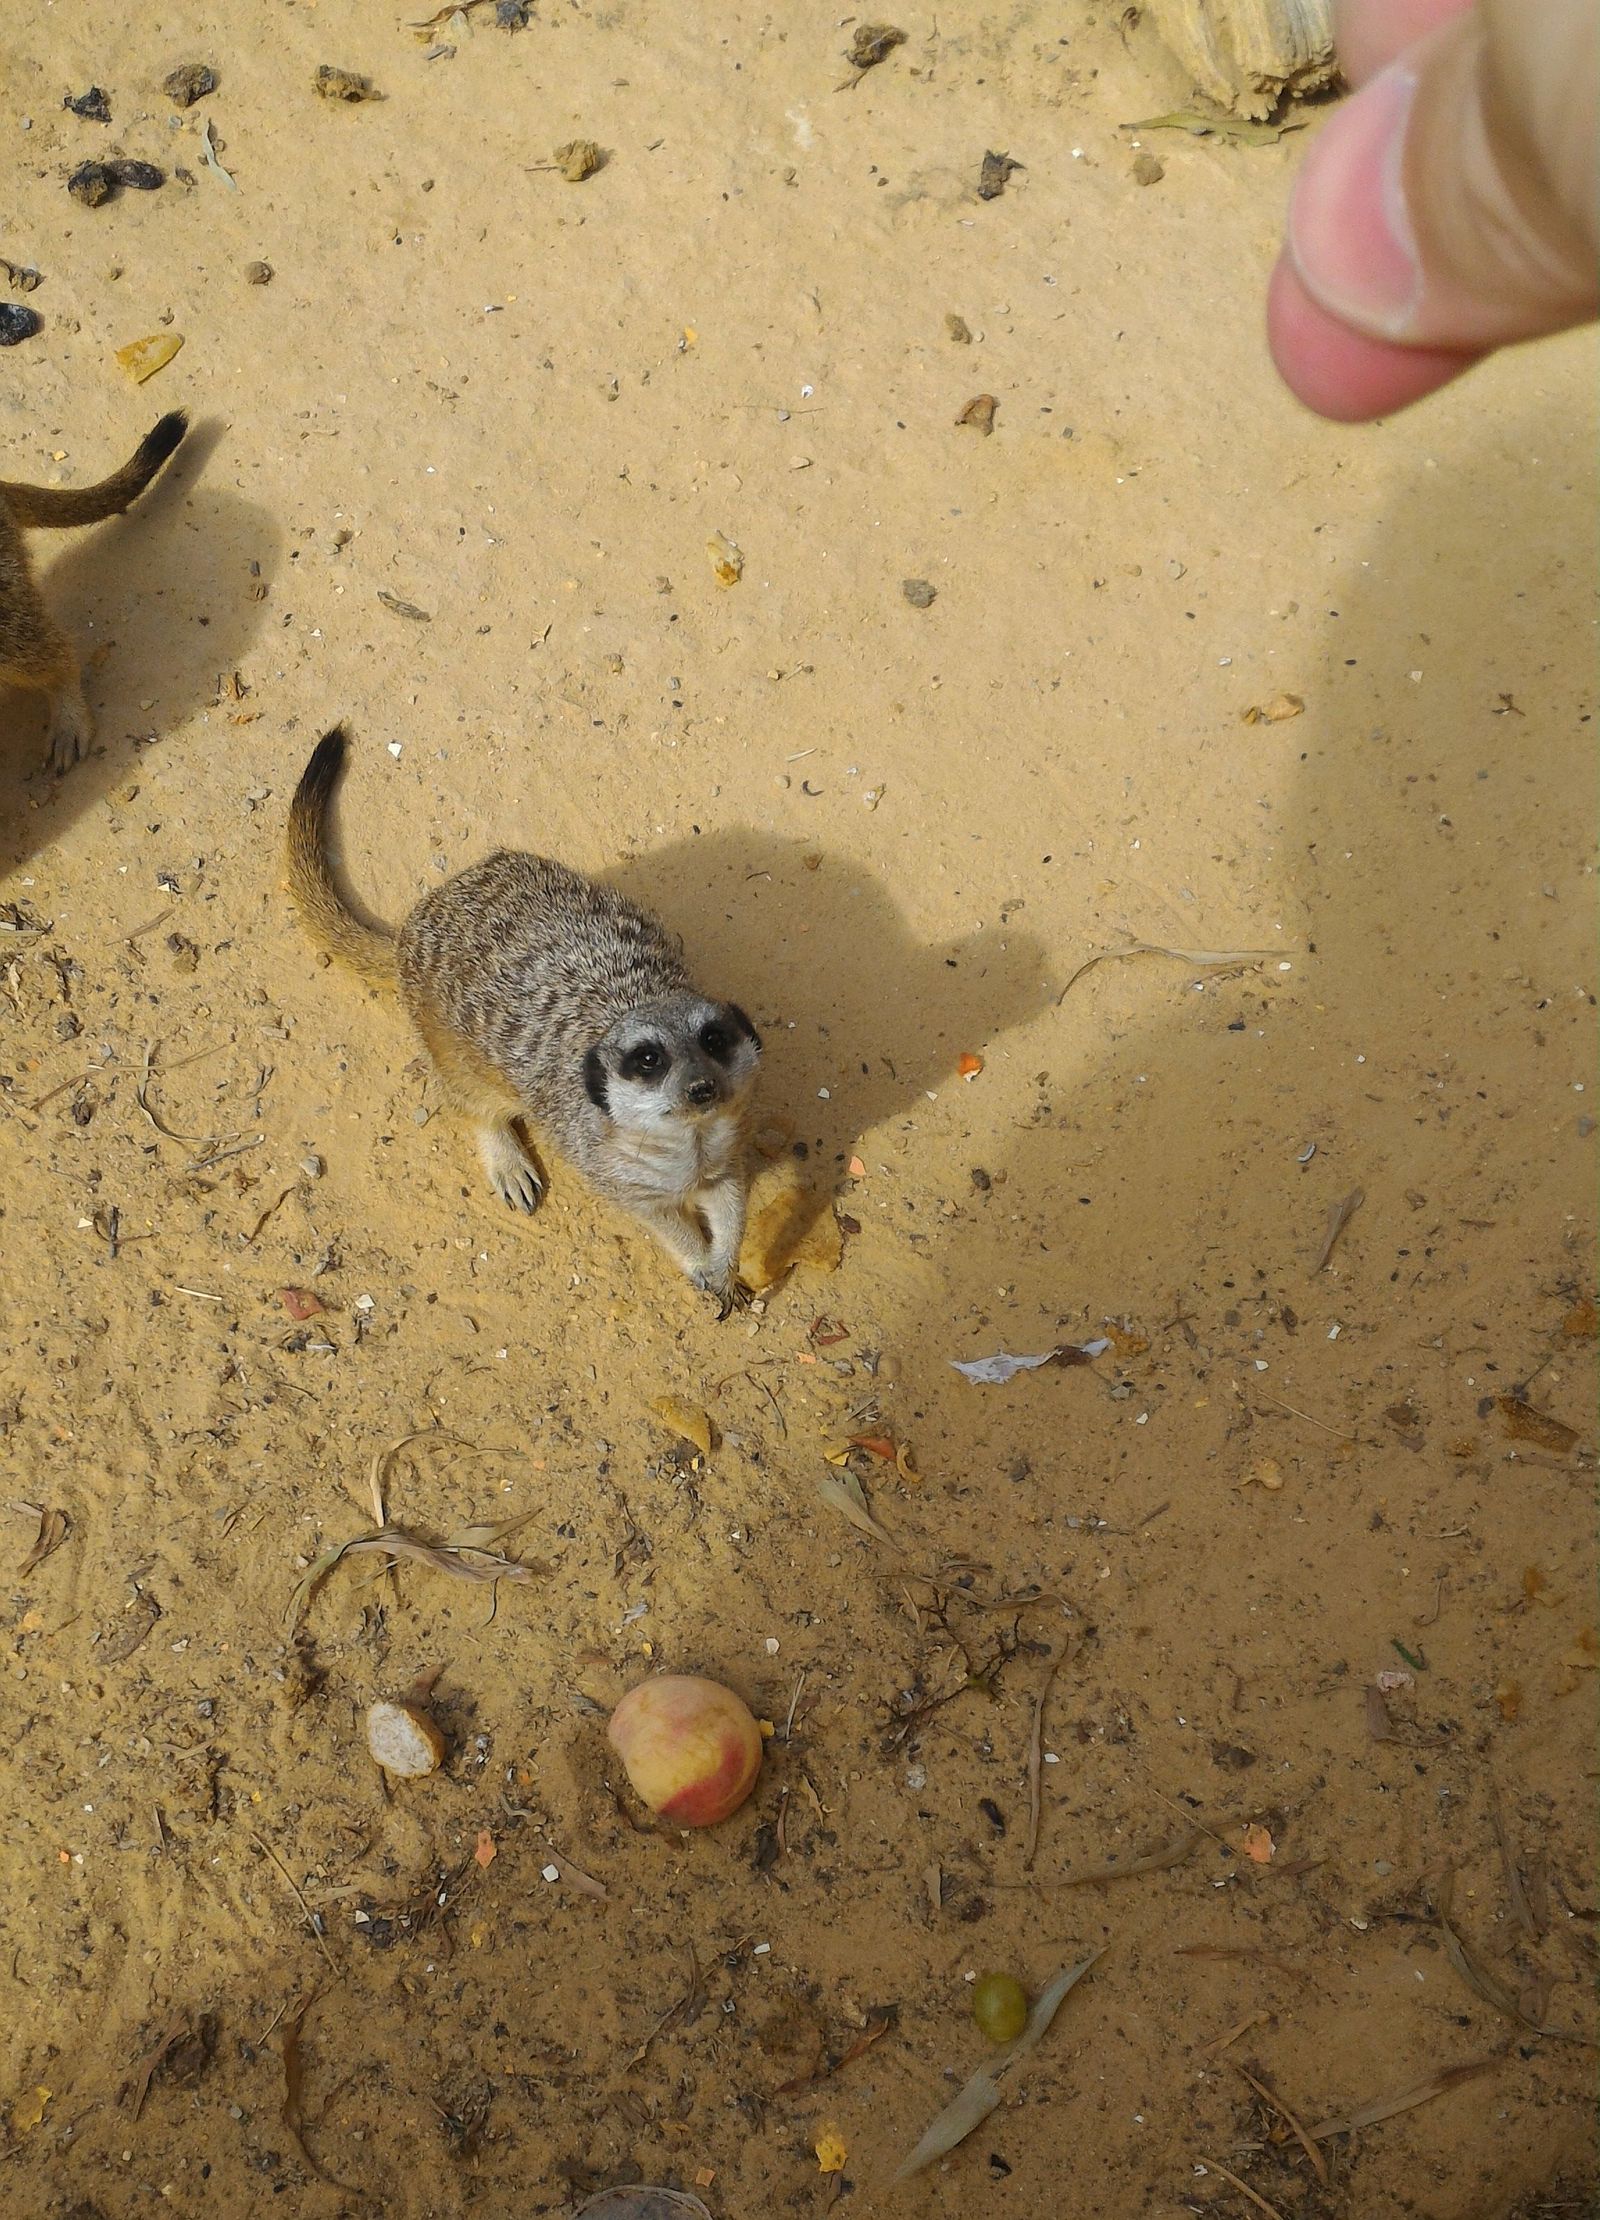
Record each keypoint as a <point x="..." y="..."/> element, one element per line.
<point x="683" y="1058"/>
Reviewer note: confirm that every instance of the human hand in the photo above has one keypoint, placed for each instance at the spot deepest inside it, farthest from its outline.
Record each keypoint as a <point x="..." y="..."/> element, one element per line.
<point x="1449" y="207"/>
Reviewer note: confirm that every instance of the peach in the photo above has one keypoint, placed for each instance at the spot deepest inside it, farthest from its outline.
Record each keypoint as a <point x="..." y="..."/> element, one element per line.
<point x="689" y="1746"/>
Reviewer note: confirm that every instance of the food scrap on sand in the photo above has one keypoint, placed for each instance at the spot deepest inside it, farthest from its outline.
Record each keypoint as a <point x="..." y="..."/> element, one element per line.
<point x="996" y="1370"/>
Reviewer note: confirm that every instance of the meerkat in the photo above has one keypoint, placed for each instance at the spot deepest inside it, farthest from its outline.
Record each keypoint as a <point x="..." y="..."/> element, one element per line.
<point x="34" y="651"/>
<point x="543" y="996"/>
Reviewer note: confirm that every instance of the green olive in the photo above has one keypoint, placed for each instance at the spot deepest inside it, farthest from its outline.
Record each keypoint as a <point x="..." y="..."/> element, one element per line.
<point x="1000" y="2006"/>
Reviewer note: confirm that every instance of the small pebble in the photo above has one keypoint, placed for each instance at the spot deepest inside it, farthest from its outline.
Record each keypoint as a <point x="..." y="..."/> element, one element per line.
<point x="258" y="273"/>
<point x="91" y="183"/>
<point x="1148" y="169"/>
<point x="578" y="159"/>
<point x="959" y="329"/>
<point x="312" y="1166"/>
<point x="189" y="82"/>
<point x="18" y="322"/>
<point x="92" y="105"/>
<point x="919" y="593"/>
<point x="144" y="177"/>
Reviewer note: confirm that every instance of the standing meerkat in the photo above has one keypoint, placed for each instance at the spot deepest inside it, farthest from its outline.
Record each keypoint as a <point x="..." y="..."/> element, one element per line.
<point x="34" y="651"/>
<point x="539" y="994"/>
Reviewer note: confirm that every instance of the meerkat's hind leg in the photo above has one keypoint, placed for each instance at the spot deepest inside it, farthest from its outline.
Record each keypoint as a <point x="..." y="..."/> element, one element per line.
<point x="36" y="653"/>
<point x="511" y="1171"/>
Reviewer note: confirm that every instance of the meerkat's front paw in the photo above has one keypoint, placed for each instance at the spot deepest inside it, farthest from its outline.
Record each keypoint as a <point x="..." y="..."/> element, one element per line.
<point x="70" y="731"/>
<point x="726" y="1289"/>
<point x="511" y="1170"/>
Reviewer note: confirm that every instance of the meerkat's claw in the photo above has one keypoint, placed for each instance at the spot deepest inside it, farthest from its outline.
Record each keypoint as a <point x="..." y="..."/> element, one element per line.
<point x="511" y="1170"/>
<point x="729" y="1295"/>
<point x="70" y="732"/>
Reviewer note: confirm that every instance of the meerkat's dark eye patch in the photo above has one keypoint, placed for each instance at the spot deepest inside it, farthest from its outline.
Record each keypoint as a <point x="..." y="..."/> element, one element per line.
<point x="714" y="1040"/>
<point x="736" y="1017"/>
<point x="645" y="1060"/>
<point x="594" y="1081"/>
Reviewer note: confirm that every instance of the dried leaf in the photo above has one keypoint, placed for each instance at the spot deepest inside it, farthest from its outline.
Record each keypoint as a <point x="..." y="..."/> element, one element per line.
<point x="299" y="1302"/>
<point x="136" y="2087"/>
<point x="1205" y="958"/>
<point x="974" y="2103"/>
<point x="843" y="1492"/>
<point x="485" y="1852"/>
<point x="1581" y="1323"/>
<point x="685" y="1419"/>
<point x="992" y="177"/>
<point x="905" y="1464"/>
<point x="1405" y="2100"/>
<point x="1237" y="130"/>
<point x="403" y="608"/>
<point x="1379" y="1724"/>
<point x="1278" y="711"/>
<point x="578" y="159"/>
<point x="208" y="155"/>
<point x="142" y="358"/>
<point x="726" y="559"/>
<point x="465" y="1561"/>
<point x="1339" y="1216"/>
<point x="872" y="43"/>
<point x="979" y="413"/>
<point x="1523" y="1423"/>
<point x="1508" y="1699"/>
<point x="28" y="2110"/>
<point x="54" y="1527"/>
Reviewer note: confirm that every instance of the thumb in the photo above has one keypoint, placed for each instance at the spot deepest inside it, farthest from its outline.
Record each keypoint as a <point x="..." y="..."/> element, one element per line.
<point x="1454" y="201"/>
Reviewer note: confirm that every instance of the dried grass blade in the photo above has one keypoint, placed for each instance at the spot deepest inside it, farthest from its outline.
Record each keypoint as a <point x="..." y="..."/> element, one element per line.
<point x="1269" y="2097"/>
<point x="293" y="2111"/>
<point x="1207" y="958"/>
<point x="974" y="2103"/>
<point x="1036" y="1763"/>
<point x="464" y="1563"/>
<point x="1155" y="1861"/>
<point x="1338" y="1218"/>
<point x="843" y="1492"/>
<point x="1216" y="2166"/>
<point x="54" y="1527"/>
<point x="1405" y="2100"/>
<point x="1521" y="1907"/>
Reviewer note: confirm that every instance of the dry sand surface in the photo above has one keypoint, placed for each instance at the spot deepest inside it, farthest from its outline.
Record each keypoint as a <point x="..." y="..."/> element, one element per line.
<point x="239" y="1977"/>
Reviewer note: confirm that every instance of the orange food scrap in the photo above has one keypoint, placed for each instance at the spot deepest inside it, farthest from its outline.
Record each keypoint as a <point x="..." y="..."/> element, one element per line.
<point x="830" y="2150"/>
<point x="858" y="1170"/>
<point x="969" y="1065"/>
<point x="877" y="1445"/>
<point x="485" y="1853"/>
<point x="1258" y="1844"/>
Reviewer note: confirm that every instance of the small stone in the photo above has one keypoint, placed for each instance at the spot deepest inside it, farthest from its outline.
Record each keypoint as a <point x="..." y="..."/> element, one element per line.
<point x="919" y="593"/>
<point x="18" y="322"/>
<point x="144" y="177"/>
<point x="312" y="1166"/>
<point x="92" y="105"/>
<point x="91" y="183"/>
<point x="189" y="82"/>
<point x="258" y="273"/>
<point x="1148" y="169"/>
<point x="959" y="329"/>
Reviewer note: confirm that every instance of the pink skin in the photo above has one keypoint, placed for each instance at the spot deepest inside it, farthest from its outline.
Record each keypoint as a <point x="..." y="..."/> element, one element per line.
<point x="690" y="1748"/>
<point x="1340" y="372"/>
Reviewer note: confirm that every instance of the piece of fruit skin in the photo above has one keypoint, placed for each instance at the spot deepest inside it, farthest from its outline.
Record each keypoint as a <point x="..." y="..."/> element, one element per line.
<point x="690" y="1747"/>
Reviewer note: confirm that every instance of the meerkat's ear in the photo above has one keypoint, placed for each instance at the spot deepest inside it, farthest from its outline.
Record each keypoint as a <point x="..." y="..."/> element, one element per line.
<point x="594" y="1082"/>
<point x="743" y="1023"/>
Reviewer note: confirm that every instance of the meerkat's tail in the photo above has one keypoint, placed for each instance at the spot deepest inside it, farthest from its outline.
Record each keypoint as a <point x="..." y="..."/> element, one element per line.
<point x="59" y="506"/>
<point x="326" y="915"/>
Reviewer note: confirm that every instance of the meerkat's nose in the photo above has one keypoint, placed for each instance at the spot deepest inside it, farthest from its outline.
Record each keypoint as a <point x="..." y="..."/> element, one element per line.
<point x="702" y="1091"/>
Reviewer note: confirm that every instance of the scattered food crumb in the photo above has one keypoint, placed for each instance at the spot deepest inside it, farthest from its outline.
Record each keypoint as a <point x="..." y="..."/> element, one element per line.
<point x="919" y="593"/>
<point x="342" y="84"/>
<point x="979" y="413"/>
<point x="189" y="82"/>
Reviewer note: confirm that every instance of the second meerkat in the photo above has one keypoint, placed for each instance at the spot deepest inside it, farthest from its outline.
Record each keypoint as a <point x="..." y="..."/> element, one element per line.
<point x="540" y="994"/>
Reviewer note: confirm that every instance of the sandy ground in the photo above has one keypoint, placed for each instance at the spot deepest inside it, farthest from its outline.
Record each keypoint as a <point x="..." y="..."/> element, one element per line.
<point x="895" y="834"/>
